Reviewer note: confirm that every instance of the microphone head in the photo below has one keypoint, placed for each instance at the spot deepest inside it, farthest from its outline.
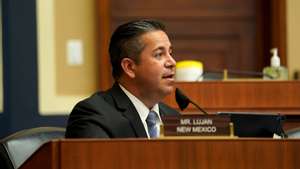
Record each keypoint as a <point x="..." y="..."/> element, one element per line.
<point x="181" y="99"/>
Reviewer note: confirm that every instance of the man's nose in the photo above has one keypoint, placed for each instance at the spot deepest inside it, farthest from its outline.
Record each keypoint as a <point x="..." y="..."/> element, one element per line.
<point x="171" y="61"/>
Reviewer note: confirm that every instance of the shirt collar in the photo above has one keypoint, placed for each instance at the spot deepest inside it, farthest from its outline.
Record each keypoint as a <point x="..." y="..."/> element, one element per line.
<point x="141" y="108"/>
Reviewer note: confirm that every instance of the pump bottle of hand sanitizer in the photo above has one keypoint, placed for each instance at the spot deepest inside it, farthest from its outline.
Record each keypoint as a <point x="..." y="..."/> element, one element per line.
<point x="275" y="71"/>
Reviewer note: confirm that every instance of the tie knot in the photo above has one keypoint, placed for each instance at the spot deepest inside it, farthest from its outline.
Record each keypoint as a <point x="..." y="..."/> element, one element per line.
<point x="151" y="118"/>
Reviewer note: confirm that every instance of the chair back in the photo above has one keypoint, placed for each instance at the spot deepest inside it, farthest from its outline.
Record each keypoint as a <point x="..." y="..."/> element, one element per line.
<point x="15" y="149"/>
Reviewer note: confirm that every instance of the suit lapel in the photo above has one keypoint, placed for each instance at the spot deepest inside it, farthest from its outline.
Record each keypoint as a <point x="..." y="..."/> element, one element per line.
<point x="128" y="110"/>
<point x="161" y="111"/>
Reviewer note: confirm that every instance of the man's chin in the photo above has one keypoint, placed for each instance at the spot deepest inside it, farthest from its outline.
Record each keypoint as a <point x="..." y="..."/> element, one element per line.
<point x="169" y="89"/>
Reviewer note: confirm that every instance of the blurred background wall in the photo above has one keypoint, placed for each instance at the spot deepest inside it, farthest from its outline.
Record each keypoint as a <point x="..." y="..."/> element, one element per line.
<point x="293" y="36"/>
<point x="66" y="53"/>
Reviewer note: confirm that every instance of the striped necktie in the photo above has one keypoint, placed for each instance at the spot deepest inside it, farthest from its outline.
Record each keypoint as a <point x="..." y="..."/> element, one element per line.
<point x="151" y="123"/>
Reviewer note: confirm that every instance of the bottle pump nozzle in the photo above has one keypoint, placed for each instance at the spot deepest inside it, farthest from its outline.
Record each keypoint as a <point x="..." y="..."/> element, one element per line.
<point x="275" y="60"/>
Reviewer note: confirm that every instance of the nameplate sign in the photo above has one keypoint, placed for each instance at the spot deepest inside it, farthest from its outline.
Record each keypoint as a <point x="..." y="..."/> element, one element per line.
<point x="196" y="125"/>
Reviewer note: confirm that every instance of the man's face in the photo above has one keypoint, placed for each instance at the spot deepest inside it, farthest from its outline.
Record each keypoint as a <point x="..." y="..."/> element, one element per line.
<point x="155" y="71"/>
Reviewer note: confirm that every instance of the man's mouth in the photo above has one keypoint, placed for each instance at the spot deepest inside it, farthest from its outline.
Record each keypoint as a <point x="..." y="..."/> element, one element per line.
<point x="169" y="76"/>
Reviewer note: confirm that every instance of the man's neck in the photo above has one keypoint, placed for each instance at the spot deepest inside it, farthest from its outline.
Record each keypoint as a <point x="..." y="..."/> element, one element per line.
<point x="146" y="99"/>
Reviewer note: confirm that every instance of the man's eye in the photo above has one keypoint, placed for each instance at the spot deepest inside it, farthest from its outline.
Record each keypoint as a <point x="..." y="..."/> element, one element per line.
<point x="158" y="55"/>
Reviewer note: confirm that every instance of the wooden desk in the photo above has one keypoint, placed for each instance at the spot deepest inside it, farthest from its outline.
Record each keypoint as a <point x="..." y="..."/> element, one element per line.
<point x="168" y="154"/>
<point x="244" y="96"/>
<point x="259" y="96"/>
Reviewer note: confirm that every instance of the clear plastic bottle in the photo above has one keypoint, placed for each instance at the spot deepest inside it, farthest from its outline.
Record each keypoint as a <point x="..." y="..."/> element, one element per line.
<point x="275" y="71"/>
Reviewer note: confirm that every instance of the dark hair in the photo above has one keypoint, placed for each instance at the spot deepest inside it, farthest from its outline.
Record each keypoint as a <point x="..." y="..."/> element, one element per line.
<point x="125" y="42"/>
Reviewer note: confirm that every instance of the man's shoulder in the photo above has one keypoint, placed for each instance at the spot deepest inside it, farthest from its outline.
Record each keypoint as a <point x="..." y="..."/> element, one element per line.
<point x="97" y="101"/>
<point x="96" y="98"/>
<point x="97" y="116"/>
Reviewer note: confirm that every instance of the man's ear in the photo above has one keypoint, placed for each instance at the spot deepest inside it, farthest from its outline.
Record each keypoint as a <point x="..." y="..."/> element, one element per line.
<point x="128" y="66"/>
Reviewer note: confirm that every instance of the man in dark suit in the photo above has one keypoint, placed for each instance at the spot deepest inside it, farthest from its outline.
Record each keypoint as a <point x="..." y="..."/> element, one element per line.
<point x="143" y="69"/>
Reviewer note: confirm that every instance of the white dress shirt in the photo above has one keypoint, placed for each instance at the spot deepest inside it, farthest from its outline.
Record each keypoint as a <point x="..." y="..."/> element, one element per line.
<point x="143" y="110"/>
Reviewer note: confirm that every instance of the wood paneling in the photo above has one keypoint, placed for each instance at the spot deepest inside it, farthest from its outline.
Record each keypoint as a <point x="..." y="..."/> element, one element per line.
<point x="278" y="29"/>
<point x="221" y="34"/>
<point x="258" y="96"/>
<point x="105" y="77"/>
<point x="236" y="35"/>
<point x="183" y="8"/>
<point x="169" y="154"/>
<point x="271" y="29"/>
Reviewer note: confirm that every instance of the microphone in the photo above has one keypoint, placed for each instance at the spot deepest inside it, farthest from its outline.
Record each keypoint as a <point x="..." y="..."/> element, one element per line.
<point x="183" y="101"/>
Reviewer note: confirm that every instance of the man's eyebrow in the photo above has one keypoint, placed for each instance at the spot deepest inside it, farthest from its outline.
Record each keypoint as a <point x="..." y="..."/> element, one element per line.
<point x="162" y="48"/>
<point x="159" y="48"/>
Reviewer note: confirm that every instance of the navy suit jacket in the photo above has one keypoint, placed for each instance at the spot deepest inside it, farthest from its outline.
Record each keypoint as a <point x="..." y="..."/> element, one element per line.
<point x="108" y="114"/>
